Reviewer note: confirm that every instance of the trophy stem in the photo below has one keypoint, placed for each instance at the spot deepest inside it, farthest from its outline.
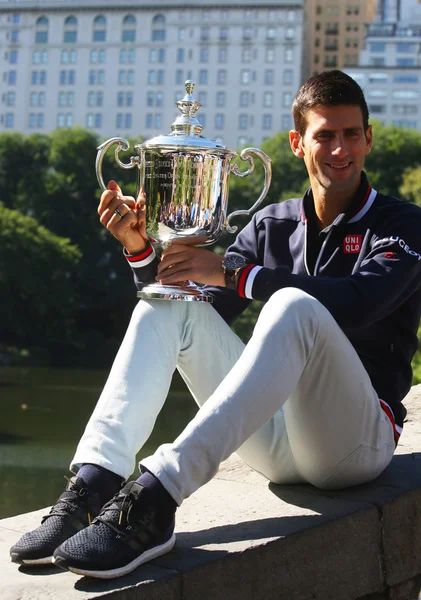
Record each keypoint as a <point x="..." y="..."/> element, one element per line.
<point x="190" y="292"/>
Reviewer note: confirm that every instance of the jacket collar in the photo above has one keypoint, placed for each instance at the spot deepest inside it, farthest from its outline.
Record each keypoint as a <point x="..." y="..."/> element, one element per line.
<point x="359" y="206"/>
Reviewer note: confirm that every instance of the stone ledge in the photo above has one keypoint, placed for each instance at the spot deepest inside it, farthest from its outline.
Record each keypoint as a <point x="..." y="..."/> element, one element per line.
<point x="239" y="538"/>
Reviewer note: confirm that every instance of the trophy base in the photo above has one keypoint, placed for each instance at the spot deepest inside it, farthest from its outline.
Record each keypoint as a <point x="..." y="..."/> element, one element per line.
<point x="186" y="293"/>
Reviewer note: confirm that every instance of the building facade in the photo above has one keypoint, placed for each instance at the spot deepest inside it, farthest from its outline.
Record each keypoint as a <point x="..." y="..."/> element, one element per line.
<point x="390" y="64"/>
<point x="335" y="32"/>
<point x="118" y="67"/>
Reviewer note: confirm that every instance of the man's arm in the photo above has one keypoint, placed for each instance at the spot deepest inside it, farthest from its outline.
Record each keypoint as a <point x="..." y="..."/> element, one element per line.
<point x="386" y="278"/>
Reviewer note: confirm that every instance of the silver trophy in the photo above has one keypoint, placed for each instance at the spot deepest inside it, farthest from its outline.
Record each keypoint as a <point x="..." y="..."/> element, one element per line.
<point x="184" y="177"/>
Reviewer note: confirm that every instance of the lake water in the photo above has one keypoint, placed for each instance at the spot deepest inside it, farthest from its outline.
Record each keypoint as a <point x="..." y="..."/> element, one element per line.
<point x="43" y="414"/>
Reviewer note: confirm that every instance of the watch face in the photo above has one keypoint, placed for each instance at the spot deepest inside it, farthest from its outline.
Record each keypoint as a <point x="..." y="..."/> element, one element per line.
<point x="234" y="262"/>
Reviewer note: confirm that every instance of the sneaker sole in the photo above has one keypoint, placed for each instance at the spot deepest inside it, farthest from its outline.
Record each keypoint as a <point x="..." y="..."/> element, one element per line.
<point x="154" y="552"/>
<point x="47" y="560"/>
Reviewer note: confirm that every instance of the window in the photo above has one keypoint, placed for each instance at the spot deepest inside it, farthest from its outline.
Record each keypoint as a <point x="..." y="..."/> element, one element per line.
<point x="221" y="77"/>
<point x="152" y="77"/>
<point x="220" y="98"/>
<point x="159" y="99"/>
<point x="377" y="47"/>
<point x="222" y="54"/>
<point x="68" y="56"/>
<point x="68" y="77"/>
<point x="405" y="109"/>
<point x="377" y="78"/>
<point x="373" y="93"/>
<point x="223" y="33"/>
<point x="288" y="55"/>
<point x="158" y="121"/>
<point x="128" y="33"/>
<point x="97" y="56"/>
<point x="70" y="30"/>
<point x="405" y="94"/>
<point x="405" y="62"/>
<point x="13" y="57"/>
<point x="31" y="121"/>
<point x="202" y="119"/>
<point x="287" y="99"/>
<point x="9" y="120"/>
<point x="41" y="30"/>
<point x="243" y="121"/>
<point x="409" y="123"/>
<point x="288" y="76"/>
<point x="158" y="28"/>
<point x="405" y="47"/>
<point x="242" y="141"/>
<point x="98" y="120"/>
<point x="270" y="54"/>
<point x="377" y="109"/>
<point x="247" y="33"/>
<point x="149" y="121"/>
<point x="160" y="75"/>
<point x="60" y="120"/>
<point x="203" y="76"/>
<point x="10" y="98"/>
<point x="267" y="122"/>
<point x="99" y="33"/>
<point x="377" y="62"/>
<point x="89" y="120"/>
<point x="16" y="19"/>
<point x="204" y="34"/>
<point x="36" y="57"/>
<point x="119" y="121"/>
<point x="244" y="98"/>
<point x="179" y="79"/>
<point x="219" y="121"/>
<point x="290" y="33"/>
<point x="11" y="77"/>
<point x="407" y="78"/>
<point x="204" y="55"/>
<point x="246" y="54"/>
<point x="245" y="76"/>
<point x="69" y="120"/>
<point x="270" y="33"/>
<point x="181" y="34"/>
<point x="269" y="77"/>
<point x="180" y="55"/>
<point x="286" y="122"/>
<point x="14" y="36"/>
<point x="268" y="99"/>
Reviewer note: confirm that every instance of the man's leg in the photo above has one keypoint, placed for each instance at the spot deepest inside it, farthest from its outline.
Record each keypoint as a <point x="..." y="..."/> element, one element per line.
<point x="335" y="429"/>
<point x="298" y="359"/>
<point x="127" y="409"/>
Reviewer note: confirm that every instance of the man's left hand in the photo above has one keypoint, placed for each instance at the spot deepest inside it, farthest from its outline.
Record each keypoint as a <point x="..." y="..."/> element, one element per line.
<point x="181" y="262"/>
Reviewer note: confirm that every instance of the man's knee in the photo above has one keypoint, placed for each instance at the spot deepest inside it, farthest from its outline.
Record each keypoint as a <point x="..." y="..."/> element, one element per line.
<point x="293" y="305"/>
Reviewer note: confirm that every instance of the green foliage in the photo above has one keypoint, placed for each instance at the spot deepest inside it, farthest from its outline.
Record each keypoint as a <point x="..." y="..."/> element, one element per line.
<point x="66" y="292"/>
<point x="38" y="299"/>
<point x="410" y="188"/>
<point x="395" y="149"/>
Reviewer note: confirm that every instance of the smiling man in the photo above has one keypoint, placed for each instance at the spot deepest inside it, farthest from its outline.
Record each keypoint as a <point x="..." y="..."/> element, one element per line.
<point x="315" y="396"/>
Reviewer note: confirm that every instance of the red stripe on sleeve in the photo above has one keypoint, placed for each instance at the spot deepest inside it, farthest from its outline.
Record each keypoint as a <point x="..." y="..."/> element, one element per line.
<point x="136" y="257"/>
<point x="242" y="280"/>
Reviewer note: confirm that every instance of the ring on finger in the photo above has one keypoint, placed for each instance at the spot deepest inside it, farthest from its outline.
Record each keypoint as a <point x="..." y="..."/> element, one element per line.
<point x="117" y="212"/>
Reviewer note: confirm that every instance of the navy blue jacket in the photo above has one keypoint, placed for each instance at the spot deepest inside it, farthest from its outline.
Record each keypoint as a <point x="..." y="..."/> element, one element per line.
<point x="365" y="268"/>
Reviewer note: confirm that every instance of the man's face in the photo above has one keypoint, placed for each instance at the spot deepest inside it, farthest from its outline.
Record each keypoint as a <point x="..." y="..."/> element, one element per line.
<point x="333" y="146"/>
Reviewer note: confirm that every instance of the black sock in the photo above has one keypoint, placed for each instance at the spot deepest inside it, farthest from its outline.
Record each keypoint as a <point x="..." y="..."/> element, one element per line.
<point x="159" y="495"/>
<point x="100" y="480"/>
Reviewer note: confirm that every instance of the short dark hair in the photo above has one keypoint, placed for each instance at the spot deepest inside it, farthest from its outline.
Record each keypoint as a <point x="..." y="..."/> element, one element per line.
<point x="330" y="88"/>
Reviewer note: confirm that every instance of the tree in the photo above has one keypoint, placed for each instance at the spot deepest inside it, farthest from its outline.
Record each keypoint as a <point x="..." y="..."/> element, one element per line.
<point x="410" y="188"/>
<point x="395" y="149"/>
<point x="37" y="297"/>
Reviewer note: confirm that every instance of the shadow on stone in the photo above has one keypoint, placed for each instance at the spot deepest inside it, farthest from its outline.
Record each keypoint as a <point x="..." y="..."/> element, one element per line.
<point x="39" y="570"/>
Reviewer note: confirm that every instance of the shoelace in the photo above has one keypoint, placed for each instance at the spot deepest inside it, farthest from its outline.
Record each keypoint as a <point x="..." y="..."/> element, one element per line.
<point x="77" y="491"/>
<point x="126" y="503"/>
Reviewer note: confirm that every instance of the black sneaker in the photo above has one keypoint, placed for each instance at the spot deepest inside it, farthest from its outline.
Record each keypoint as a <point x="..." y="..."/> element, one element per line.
<point x="72" y="512"/>
<point x="128" y="532"/>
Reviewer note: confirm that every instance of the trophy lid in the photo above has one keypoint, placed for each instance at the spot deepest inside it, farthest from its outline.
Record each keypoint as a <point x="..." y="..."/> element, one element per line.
<point x="186" y="128"/>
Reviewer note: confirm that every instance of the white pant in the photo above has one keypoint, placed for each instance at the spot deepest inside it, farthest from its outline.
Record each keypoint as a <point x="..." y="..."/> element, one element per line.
<point x="295" y="402"/>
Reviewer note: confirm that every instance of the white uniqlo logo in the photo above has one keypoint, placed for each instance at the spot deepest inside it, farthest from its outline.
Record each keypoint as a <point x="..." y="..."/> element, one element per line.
<point x="352" y="244"/>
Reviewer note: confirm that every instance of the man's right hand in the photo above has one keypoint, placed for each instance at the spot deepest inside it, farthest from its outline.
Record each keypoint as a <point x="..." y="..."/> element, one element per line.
<point x="130" y="229"/>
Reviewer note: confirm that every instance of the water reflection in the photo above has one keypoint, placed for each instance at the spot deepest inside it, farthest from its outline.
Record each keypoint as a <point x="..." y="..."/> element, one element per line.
<point x="43" y="414"/>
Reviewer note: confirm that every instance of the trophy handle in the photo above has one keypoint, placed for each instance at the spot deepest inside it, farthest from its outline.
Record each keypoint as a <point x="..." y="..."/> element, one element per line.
<point x="246" y="154"/>
<point x="102" y="149"/>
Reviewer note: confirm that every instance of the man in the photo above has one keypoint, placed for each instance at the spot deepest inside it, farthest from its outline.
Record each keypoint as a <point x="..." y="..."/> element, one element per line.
<point x="315" y="396"/>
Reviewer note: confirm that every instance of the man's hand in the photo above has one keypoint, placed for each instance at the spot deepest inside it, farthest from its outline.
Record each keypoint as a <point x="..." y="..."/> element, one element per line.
<point x="181" y="262"/>
<point x="130" y="228"/>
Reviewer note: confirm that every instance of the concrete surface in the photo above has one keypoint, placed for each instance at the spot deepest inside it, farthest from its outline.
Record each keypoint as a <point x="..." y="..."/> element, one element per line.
<point x="241" y="538"/>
